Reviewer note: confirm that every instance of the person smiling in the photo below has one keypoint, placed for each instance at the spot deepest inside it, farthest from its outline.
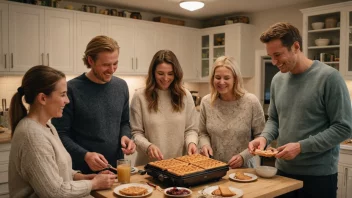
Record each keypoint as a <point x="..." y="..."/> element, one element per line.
<point x="309" y="114"/>
<point x="229" y="116"/>
<point x="39" y="164"/>
<point x="95" y="127"/>
<point x="163" y="119"/>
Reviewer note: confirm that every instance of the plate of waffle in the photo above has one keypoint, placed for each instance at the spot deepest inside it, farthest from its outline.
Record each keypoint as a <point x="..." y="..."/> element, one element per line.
<point x="223" y="191"/>
<point x="243" y="177"/>
<point x="133" y="190"/>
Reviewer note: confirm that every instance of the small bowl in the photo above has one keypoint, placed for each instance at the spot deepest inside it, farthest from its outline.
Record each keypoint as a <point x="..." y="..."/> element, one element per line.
<point x="322" y="42"/>
<point x="317" y="25"/>
<point x="266" y="171"/>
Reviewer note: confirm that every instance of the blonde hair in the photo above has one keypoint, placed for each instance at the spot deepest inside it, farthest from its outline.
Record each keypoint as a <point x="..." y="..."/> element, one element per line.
<point x="99" y="44"/>
<point x="231" y="64"/>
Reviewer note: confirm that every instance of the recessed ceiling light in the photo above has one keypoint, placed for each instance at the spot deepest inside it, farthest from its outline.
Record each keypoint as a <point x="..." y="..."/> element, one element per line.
<point x="191" y="5"/>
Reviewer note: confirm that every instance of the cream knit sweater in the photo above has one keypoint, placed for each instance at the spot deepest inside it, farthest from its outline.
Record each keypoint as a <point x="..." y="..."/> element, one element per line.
<point x="40" y="166"/>
<point x="170" y="131"/>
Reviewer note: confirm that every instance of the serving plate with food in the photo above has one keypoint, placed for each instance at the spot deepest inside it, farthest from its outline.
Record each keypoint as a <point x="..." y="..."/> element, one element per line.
<point x="177" y="192"/>
<point x="223" y="191"/>
<point x="243" y="177"/>
<point x="133" y="190"/>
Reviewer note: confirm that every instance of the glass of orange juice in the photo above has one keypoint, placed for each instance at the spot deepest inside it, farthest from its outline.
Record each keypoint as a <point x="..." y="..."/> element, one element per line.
<point x="123" y="170"/>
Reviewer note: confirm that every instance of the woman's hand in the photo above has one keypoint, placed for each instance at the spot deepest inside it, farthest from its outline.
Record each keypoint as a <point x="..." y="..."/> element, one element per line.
<point x="236" y="161"/>
<point x="192" y="148"/>
<point x="207" y="150"/>
<point x="103" y="181"/>
<point x="154" y="152"/>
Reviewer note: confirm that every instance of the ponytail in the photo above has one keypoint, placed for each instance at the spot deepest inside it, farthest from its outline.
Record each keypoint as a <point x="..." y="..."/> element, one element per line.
<point x="17" y="111"/>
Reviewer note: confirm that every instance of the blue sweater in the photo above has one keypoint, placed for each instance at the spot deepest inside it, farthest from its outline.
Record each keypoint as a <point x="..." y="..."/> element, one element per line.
<point x="95" y="120"/>
<point x="314" y="109"/>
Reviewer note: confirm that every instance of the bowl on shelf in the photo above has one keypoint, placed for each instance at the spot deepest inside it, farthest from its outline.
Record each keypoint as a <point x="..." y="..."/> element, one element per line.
<point x="317" y="25"/>
<point x="322" y="42"/>
<point x="266" y="171"/>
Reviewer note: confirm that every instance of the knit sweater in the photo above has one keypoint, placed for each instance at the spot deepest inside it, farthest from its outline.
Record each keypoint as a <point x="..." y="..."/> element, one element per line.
<point x="229" y="126"/>
<point x="170" y="131"/>
<point x="40" y="165"/>
<point x="95" y="120"/>
<point x="312" y="108"/>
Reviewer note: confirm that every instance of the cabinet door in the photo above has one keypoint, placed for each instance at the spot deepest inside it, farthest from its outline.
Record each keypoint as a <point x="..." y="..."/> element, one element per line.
<point x="88" y="27"/>
<point x="168" y="38"/>
<point x="59" y="33"/>
<point x="349" y="44"/>
<point x="26" y="37"/>
<point x="145" y="46"/>
<point x="341" y="188"/>
<point x="349" y="182"/>
<point x="4" y="37"/>
<point x="188" y="53"/>
<point x="122" y="31"/>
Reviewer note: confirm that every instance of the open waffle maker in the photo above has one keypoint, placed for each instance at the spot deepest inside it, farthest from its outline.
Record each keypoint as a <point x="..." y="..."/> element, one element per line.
<point x="186" y="171"/>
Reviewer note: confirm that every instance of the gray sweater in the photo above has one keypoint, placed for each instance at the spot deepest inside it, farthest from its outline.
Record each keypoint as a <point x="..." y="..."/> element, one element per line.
<point x="312" y="108"/>
<point x="95" y="120"/>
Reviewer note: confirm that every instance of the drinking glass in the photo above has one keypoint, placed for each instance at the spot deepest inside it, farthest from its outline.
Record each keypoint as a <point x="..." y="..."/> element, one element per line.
<point x="123" y="170"/>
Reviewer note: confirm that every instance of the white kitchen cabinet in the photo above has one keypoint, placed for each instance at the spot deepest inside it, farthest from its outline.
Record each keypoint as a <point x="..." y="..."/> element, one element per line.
<point x="26" y="37"/>
<point x="4" y="37"/>
<point x="59" y="37"/>
<point x="345" y="173"/>
<point x="338" y="52"/>
<point x="188" y="53"/>
<point x="137" y="41"/>
<point x="88" y="26"/>
<point x="4" y="161"/>
<point x="231" y="40"/>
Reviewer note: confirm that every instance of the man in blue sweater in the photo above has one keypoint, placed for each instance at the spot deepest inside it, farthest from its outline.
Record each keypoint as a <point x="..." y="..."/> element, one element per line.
<point x="95" y="127"/>
<point x="309" y="114"/>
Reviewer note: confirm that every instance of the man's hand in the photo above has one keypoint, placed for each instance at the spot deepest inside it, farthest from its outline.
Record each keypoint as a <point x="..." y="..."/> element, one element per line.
<point x="95" y="161"/>
<point x="236" y="161"/>
<point x="207" y="150"/>
<point x="257" y="143"/>
<point x="128" y="145"/>
<point x="289" y="151"/>
<point x="154" y="152"/>
<point x="192" y="148"/>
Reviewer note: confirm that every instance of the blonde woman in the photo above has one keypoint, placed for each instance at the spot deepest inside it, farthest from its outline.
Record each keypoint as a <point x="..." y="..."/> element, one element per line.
<point x="230" y="117"/>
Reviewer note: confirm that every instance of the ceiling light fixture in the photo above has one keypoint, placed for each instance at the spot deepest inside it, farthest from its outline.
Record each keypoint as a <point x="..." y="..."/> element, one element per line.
<point x="191" y="5"/>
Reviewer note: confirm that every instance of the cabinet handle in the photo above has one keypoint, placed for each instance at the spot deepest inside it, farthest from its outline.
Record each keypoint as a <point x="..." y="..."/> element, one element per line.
<point x="48" y="58"/>
<point x="136" y="63"/>
<point x="346" y="177"/>
<point x="5" y="61"/>
<point x="42" y="58"/>
<point x="11" y="60"/>
<point x="132" y="63"/>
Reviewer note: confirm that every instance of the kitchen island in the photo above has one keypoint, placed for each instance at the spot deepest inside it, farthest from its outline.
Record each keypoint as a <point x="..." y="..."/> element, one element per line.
<point x="262" y="187"/>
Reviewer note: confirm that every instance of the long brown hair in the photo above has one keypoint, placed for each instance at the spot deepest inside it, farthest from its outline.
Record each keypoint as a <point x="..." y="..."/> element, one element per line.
<point x="231" y="64"/>
<point x="38" y="79"/>
<point x="176" y="89"/>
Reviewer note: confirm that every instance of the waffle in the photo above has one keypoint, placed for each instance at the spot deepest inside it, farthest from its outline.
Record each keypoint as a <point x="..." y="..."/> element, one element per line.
<point x="242" y="176"/>
<point x="192" y="158"/>
<point x="133" y="191"/>
<point x="209" y="163"/>
<point x="270" y="152"/>
<point x="168" y="163"/>
<point x="184" y="169"/>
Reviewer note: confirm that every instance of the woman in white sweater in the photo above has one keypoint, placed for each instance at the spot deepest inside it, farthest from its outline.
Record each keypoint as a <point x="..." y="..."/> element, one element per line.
<point x="163" y="120"/>
<point x="230" y="117"/>
<point x="39" y="164"/>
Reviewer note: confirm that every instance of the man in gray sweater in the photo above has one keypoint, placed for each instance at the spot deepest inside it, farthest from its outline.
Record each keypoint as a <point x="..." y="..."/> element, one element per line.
<point x="95" y="127"/>
<point x="309" y="114"/>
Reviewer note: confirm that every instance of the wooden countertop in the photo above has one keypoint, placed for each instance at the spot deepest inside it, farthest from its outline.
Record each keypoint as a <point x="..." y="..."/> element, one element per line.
<point x="5" y="137"/>
<point x="261" y="188"/>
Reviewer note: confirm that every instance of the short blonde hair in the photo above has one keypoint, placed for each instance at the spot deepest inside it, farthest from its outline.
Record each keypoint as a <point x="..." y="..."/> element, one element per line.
<point x="99" y="44"/>
<point x="231" y="64"/>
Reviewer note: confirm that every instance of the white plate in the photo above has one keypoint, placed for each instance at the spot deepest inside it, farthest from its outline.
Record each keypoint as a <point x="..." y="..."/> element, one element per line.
<point x="168" y="195"/>
<point x="209" y="190"/>
<point x="233" y="177"/>
<point x="134" y="170"/>
<point x="118" y="188"/>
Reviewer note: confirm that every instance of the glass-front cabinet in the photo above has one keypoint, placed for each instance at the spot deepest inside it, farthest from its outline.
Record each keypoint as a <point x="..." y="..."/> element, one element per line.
<point x="213" y="46"/>
<point x="327" y="35"/>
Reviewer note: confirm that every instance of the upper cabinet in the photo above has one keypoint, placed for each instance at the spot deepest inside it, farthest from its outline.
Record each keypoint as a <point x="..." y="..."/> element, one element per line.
<point x="231" y="40"/>
<point x="4" y="37"/>
<point x="327" y="36"/>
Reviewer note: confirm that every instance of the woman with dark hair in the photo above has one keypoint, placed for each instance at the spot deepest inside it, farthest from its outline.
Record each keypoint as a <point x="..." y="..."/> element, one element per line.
<point x="39" y="164"/>
<point x="163" y="117"/>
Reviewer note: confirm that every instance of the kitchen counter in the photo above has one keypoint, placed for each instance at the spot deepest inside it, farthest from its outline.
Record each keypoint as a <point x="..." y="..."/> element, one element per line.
<point x="262" y="187"/>
<point x="5" y="137"/>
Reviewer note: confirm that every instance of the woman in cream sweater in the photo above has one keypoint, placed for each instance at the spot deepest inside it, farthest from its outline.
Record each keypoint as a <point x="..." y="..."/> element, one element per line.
<point x="39" y="164"/>
<point x="163" y="120"/>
